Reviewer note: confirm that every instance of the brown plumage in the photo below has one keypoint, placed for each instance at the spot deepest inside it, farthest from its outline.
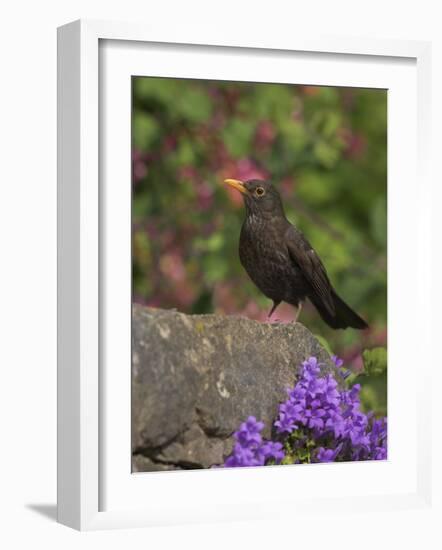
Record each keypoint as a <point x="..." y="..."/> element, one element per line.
<point x="280" y="260"/>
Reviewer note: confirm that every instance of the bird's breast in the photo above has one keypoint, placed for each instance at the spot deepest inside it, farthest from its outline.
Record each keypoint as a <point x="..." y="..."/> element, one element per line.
<point x="265" y="257"/>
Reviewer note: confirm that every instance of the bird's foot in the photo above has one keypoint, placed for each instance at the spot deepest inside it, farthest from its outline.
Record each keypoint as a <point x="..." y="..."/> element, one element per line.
<point x="273" y="321"/>
<point x="298" y="313"/>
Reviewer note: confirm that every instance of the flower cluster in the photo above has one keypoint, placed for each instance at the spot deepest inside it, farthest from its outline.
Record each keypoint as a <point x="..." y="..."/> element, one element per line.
<point x="317" y="411"/>
<point x="319" y="422"/>
<point x="250" y="449"/>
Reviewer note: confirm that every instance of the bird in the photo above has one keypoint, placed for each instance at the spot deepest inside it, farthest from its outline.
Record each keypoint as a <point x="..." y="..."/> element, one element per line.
<point x="280" y="260"/>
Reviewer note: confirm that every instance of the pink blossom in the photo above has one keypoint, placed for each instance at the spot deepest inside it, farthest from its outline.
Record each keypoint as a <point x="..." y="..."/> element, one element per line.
<point x="354" y="142"/>
<point x="139" y="165"/>
<point x="172" y="266"/>
<point x="204" y="196"/>
<point x="265" y="134"/>
<point x="188" y="172"/>
<point x="184" y="294"/>
<point x="169" y="144"/>
<point x="246" y="169"/>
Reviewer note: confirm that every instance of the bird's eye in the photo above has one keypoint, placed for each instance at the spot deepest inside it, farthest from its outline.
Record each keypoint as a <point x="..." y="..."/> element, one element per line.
<point x="259" y="191"/>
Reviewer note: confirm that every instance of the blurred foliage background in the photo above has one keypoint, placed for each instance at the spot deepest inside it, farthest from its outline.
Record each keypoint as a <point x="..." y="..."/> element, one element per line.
<point x="325" y="148"/>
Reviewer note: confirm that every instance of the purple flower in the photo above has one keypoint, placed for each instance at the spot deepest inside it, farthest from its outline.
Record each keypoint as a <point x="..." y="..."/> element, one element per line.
<point x="310" y="368"/>
<point x="337" y="361"/>
<point x="319" y="421"/>
<point x="335" y="423"/>
<point x="297" y="393"/>
<point x="285" y="423"/>
<point x="313" y="416"/>
<point x="249" y="433"/>
<point x="318" y="405"/>
<point x="271" y="450"/>
<point x="291" y="408"/>
<point x="331" y="394"/>
<point x="380" y="453"/>
<point x="250" y="449"/>
<point x="378" y="439"/>
<point x="327" y="455"/>
<point x="345" y="373"/>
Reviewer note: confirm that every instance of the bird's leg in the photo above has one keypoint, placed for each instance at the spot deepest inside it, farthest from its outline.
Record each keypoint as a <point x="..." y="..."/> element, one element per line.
<point x="275" y="305"/>
<point x="298" y="312"/>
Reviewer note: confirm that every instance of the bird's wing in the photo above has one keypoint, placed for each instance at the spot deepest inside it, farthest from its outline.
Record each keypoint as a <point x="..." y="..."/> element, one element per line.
<point x="302" y="253"/>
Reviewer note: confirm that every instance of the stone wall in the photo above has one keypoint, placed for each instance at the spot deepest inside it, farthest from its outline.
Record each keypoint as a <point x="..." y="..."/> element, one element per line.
<point x="196" y="377"/>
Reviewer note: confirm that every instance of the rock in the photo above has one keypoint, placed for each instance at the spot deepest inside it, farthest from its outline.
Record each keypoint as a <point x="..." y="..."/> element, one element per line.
<point x="141" y="463"/>
<point x="195" y="378"/>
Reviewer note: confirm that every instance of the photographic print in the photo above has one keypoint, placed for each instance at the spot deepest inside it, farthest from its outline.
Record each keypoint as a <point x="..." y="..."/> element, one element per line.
<point x="259" y="274"/>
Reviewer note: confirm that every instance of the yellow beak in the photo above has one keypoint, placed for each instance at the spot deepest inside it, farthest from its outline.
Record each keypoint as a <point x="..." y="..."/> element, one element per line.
<point x="237" y="184"/>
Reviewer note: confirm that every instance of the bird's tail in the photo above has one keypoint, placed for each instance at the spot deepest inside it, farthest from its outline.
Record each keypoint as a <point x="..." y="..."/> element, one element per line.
<point x="343" y="317"/>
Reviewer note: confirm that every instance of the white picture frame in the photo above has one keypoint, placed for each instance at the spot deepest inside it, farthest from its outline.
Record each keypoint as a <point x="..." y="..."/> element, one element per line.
<point x="84" y="449"/>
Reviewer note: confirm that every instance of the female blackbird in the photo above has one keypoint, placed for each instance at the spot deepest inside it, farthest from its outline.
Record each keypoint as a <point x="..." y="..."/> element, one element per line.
<point x="280" y="260"/>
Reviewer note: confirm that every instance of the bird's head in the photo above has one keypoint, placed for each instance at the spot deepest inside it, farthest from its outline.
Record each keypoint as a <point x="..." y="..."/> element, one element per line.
<point x="260" y="197"/>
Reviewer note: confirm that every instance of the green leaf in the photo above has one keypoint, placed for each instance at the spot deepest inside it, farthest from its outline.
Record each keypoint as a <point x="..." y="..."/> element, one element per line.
<point x="238" y="137"/>
<point x="203" y="304"/>
<point x="325" y="153"/>
<point x="315" y="187"/>
<point x="185" y="153"/>
<point x="214" y="243"/>
<point x="323" y="343"/>
<point x="379" y="221"/>
<point x="375" y="361"/>
<point x="331" y="123"/>
<point x="215" y="268"/>
<point x="145" y="131"/>
<point x="193" y="104"/>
